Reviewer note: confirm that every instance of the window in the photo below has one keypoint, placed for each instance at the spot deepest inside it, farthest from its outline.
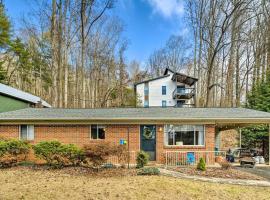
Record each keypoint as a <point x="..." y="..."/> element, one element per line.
<point x="27" y="132"/>
<point x="181" y="89"/>
<point x="181" y="135"/>
<point x="146" y="94"/>
<point x="146" y="103"/>
<point x="97" y="132"/>
<point x="146" y="88"/>
<point x="163" y="90"/>
<point x="164" y="103"/>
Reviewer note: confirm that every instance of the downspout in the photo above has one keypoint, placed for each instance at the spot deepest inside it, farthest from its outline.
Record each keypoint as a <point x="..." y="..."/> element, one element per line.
<point x="128" y="147"/>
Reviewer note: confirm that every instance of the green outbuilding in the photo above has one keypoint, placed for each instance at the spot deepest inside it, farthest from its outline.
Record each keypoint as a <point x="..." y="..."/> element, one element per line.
<point x="14" y="99"/>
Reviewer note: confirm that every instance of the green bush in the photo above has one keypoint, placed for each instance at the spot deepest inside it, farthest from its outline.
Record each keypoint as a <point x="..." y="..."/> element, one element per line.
<point x="13" y="151"/>
<point x="148" y="171"/>
<point x="57" y="154"/>
<point x="142" y="159"/>
<point x="73" y="154"/>
<point x="201" y="165"/>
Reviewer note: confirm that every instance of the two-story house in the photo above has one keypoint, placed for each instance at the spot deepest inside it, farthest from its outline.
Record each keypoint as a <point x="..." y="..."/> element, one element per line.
<point x="171" y="89"/>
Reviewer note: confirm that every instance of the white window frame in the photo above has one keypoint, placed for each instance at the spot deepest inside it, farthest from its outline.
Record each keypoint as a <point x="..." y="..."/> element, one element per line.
<point x="98" y="125"/>
<point x="166" y="136"/>
<point x="29" y="137"/>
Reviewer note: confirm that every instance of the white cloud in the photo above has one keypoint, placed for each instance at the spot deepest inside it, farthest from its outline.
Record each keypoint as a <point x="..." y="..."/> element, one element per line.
<point x="167" y="8"/>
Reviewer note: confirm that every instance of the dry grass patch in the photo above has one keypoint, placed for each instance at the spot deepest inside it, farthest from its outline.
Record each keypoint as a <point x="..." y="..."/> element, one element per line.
<point x="25" y="183"/>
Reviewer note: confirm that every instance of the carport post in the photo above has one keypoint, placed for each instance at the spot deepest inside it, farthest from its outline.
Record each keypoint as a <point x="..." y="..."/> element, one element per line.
<point x="240" y="138"/>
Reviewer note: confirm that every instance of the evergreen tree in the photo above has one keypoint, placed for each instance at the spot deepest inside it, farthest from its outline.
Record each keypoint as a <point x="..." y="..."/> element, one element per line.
<point x="5" y="35"/>
<point x="257" y="136"/>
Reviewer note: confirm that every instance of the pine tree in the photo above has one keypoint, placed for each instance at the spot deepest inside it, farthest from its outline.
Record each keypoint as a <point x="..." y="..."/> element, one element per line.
<point x="256" y="136"/>
<point x="5" y="34"/>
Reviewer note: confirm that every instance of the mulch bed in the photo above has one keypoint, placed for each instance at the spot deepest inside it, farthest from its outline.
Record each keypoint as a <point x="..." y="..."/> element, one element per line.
<point x="82" y="171"/>
<point x="219" y="173"/>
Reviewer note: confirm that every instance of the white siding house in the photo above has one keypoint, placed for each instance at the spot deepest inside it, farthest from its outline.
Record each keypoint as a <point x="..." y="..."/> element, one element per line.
<point x="171" y="89"/>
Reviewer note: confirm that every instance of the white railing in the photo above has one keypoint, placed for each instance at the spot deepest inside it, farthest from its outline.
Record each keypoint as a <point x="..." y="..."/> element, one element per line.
<point x="115" y="160"/>
<point x="185" y="158"/>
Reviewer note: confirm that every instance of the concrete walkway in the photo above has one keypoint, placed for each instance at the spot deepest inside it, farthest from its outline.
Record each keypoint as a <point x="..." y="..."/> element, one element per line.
<point x="175" y="174"/>
<point x="258" y="170"/>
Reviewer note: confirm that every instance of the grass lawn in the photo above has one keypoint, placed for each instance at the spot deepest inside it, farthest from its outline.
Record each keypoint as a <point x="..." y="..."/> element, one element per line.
<point x="24" y="183"/>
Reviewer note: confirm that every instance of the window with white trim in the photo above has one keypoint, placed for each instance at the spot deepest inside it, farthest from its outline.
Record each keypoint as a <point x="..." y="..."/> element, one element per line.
<point x="27" y="132"/>
<point x="98" y="132"/>
<point x="181" y="135"/>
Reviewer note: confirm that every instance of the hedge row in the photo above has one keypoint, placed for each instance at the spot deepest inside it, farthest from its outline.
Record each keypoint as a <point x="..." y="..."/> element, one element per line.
<point x="59" y="155"/>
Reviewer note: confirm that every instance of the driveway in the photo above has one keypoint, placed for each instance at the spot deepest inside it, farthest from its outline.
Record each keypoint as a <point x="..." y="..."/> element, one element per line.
<point x="260" y="171"/>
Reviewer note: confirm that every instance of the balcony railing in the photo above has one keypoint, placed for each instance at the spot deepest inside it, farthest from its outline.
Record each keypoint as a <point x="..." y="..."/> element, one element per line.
<point x="183" y="93"/>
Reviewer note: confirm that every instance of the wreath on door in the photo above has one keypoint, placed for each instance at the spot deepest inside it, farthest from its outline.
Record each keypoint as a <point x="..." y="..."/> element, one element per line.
<point x="147" y="133"/>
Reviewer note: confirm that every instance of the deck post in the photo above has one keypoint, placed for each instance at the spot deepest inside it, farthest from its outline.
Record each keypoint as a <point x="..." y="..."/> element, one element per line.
<point x="269" y="145"/>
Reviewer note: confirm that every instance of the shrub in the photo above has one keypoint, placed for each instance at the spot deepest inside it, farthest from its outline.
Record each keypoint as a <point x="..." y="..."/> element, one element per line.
<point x="121" y="152"/>
<point x="57" y="154"/>
<point x="149" y="171"/>
<point x="96" y="155"/>
<point x="142" y="159"/>
<point x="225" y="165"/>
<point x="201" y="165"/>
<point x="13" y="151"/>
<point x="73" y="154"/>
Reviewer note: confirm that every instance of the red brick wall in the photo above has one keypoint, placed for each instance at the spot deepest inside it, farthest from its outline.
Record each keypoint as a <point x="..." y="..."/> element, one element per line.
<point x="10" y="131"/>
<point x="77" y="134"/>
<point x="80" y="135"/>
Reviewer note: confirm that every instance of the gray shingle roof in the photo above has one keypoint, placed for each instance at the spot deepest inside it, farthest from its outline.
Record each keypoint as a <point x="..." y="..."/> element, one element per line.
<point x="191" y="114"/>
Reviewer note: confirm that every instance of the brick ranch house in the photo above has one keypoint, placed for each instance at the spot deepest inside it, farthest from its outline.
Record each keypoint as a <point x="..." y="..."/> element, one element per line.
<point x="155" y="130"/>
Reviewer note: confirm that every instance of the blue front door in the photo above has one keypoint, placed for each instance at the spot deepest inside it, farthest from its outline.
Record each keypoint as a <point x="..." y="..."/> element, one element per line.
<point x="148" y="140"/>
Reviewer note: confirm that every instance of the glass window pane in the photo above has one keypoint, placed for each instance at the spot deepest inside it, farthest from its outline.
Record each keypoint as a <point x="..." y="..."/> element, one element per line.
<point x="170" y="138"/>
<point x="184" y="134"/>
<point x="101" y="132"/>
<point x="146" y="104"/>
<point x="163" y="90"/>
<point x="93" y="131"/>
<point x="178" y="138"/>
<point x="31" y="132"/>
<point x="164" y="103"/>
<point x="188" y="137"/>
<point x="23" y="132"/>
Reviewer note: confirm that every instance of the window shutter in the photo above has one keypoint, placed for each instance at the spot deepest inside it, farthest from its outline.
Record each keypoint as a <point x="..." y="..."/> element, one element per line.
<point x="31" y="132"/>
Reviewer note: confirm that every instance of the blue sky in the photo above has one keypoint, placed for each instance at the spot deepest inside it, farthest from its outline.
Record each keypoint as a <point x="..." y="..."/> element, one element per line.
<point x="148" y="23"/>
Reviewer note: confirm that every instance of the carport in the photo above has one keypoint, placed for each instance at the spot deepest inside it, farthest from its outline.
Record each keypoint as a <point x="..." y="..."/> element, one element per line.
<point x="241" y="122"/>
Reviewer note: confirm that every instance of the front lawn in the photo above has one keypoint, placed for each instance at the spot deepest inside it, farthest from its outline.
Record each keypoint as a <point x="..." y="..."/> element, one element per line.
<point x="26" y="183"/>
